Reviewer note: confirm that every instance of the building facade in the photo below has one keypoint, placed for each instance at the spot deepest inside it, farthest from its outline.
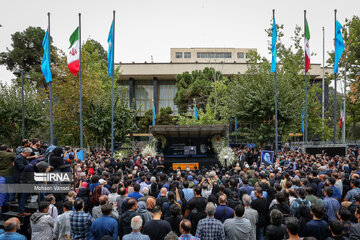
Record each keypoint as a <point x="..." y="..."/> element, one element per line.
<point x="156" y="82"/>
<point x="213" y="55"/>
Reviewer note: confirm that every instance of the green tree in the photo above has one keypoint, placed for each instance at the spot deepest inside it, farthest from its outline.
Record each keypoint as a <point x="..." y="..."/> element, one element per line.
<point x="206" y="117"/>
<point x="349" y="67"/>
<point x="315" y="126"/>
<point x="98" y="118"/>
<point x="195" y="85"/>
<point x="252" y="94"/>
<point x="219" y="98"/>
<point x="26" y="55"/>
<point x="95" y="83"/>
<point x="146" y="121"/>
<point x="164" y="118"/>
<point x="11" y="115"/>
<point x="352" y="68"/>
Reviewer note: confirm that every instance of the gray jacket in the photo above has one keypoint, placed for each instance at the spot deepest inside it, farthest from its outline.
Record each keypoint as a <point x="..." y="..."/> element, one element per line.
<point x="42" y="225"/>
<point x="96" y="212"/>
<point x="253" y="216"/>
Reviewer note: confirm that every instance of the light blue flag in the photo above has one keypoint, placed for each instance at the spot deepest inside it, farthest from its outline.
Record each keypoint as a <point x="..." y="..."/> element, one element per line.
<point x="154" y="115"/>
<point x="236" y="125"/>
<point x="302" y="120"/>
<point x="339" y="46"/>
<point x="195" y="112"/>
<point x="273" y="48"/>
<point x="110" y="51"/>
<point x="80" y="155"/>
<point x="45" y="63"/>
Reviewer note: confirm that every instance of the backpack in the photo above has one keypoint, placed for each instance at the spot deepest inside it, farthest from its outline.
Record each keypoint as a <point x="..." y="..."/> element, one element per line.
<point x="301" y="204"/>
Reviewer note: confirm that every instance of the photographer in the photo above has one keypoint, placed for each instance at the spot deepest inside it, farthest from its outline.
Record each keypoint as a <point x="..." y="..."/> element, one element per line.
<point x="206" y="187"/>
<point x="57" y="161"/>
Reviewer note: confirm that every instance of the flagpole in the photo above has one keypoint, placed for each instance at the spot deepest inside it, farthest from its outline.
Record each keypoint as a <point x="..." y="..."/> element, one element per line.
<point x="80" y="82"/>
<point x="335" y="91"/>
<point x="50" y="87"/>
<point x="305" y="130"/>
<point x="344" y="108"/>
<point x="323" y="82"/>
<point x="112" y="93"/>
<point x="276" y="114"/>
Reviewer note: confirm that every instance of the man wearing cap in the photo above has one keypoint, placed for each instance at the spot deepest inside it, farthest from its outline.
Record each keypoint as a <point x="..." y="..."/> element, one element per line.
<point x="191" y="181"/>
<point x="104" y="190"/>
<point x="188" y="192"/>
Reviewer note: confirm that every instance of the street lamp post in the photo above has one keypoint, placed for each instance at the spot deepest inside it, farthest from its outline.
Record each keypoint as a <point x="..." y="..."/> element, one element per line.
<point x="21" y="72"/>
<point x="357" y="78"/>
<point x="22" y="105"/>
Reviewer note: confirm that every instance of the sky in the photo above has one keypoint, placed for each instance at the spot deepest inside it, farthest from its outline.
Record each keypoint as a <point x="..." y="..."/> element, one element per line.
<point x="146" y="28"/>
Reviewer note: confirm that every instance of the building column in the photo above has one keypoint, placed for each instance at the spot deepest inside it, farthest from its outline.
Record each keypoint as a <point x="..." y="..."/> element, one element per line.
<point x="131" y="91"/>
<point x="155" y="94"/>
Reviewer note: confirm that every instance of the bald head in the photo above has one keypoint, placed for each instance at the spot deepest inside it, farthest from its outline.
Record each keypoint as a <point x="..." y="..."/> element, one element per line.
<point x="222" y="199"/>
<point x="163" y="191"/>
<point x="12" y="225"/>
<point x="185" y="226"/>
<point x="103" y="199"/>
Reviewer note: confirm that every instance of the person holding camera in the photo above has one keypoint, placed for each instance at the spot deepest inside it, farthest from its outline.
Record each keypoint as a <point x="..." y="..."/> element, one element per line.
<point x="206" y="187"/>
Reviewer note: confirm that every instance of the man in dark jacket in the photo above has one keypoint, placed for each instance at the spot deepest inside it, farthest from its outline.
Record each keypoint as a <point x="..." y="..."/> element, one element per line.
<point x="259" y="204"/>
<point x="317" y="227"/>
<point x="281" y="205"/>
<point x="20" y="162"/>
<point x="125" y="218"/>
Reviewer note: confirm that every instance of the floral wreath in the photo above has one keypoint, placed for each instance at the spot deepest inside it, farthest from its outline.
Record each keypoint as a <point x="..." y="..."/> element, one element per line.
<point x="226" y="156"/>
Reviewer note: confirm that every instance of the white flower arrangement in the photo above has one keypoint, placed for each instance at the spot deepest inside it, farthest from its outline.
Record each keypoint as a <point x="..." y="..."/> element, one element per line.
<point x="218" y="143"/>
<point x="119" y="155"/>
<point x="149" y="150"/>
<point x="226" y="156"/>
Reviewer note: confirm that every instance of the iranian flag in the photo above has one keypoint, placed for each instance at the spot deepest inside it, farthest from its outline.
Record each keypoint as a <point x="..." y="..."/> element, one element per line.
<point x="307" y="48"/>
<point x="341" y="116"/>
<point x="73" y="53"/>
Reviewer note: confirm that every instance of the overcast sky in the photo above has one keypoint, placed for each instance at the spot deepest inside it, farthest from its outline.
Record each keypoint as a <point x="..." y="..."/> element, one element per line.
<point x="146" y="28"/>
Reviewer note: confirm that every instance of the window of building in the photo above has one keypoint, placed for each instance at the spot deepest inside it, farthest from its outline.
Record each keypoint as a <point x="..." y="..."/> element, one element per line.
<point x="178" y="55"/>
<point x="247" y="55"/>
<point x="240" y="55"/>
<point x="187" y="54"/>
<point x="214" y="55"/>
<point x="166" y="92"/>
<point x="143" y="96"/>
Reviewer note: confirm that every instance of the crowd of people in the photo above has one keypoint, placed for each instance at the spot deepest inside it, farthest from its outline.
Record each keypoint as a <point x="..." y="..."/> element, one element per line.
<point x="300" y="196"/>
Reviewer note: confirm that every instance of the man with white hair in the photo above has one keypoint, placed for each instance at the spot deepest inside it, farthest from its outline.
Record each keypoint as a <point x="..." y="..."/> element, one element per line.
<point x="210" y="228"/>
<point x="250" y="214"/>
<point x="136" y="223"/>
<point x="145" y="192"/>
